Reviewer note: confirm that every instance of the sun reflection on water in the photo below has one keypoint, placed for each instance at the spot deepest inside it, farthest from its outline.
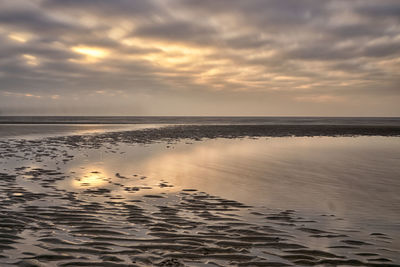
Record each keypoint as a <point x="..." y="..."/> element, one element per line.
<point x="90" y="179"/>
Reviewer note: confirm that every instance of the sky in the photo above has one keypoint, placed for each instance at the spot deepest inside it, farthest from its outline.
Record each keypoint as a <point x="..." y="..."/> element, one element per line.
<point x="200" y="57"/>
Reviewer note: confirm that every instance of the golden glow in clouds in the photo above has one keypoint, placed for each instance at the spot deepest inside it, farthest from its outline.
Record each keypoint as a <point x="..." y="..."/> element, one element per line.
<point x="92" y="53"/>
<point x="30" y="60"/>
<point x="17" y="38"/>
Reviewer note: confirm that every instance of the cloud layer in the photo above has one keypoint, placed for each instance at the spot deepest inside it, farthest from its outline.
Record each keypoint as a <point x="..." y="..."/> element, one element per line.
<point x="189" y="57"/>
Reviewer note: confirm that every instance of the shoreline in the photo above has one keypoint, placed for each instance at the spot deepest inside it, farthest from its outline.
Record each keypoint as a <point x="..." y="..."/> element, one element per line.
<point x="199" y="132"/>
<point x="11" y="146"/>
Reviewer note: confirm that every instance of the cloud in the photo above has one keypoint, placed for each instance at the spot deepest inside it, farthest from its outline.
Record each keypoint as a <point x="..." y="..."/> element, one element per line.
<point x="287" y="51"/>
<point x="385" y="9"/>
<point x="21" y="95"/>
<point x="319" y="98"/>
<point x="181" y="31"/>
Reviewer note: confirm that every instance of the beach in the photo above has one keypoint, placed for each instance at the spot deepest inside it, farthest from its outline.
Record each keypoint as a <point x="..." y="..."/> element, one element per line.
<point x="201" y="195"/>
<point x="199" y="133"/>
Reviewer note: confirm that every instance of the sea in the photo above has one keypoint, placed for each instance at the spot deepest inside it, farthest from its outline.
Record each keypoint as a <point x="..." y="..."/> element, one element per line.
<point x="46" y="126"/>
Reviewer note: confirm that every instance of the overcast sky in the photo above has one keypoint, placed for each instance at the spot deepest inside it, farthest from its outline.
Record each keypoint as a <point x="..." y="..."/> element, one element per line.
<point x="200" y="57"/>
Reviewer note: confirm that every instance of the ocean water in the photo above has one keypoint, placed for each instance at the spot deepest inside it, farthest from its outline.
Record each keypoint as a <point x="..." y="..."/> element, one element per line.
<point x="46" y="126"/>
<point x="198" y="120"/>
<point x="38" y="131"/>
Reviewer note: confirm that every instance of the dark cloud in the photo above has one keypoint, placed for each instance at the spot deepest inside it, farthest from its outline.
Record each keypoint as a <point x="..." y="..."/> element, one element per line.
<point x="389" y="49"/>
<point x="381" y="9"/>
<point x="358" y="30"/>
<point x="271" y="15"/>
<point x="176" y="30"/>
<point x="34" y="21"/>
<point x="105" y="7"/>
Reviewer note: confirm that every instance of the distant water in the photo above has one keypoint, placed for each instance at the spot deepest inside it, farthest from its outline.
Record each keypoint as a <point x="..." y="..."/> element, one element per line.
<point x="37" y="131"/>
<point x="198" y="120"/>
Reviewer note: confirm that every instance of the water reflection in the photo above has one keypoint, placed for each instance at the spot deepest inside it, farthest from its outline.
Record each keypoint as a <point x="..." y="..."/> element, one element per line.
<point x="338" y="175"/>
<point x="354" y="178"/>
<point x="93" y="178"/>
<point x="36" y="131"/>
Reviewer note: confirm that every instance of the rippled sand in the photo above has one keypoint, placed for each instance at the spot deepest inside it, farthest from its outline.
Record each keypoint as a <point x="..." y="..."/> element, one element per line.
<point x="43" y="223"/>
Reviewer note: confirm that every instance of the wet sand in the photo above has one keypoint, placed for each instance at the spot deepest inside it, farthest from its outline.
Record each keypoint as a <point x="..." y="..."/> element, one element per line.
<point x="45" y="224"/>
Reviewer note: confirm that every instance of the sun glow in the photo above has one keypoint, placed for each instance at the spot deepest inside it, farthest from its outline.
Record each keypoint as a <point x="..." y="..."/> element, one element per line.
<point x="30" y="60"/>
<point x="90" y="52"/>
<point x="91" y="179"/>
<point x="17" y="38"/>
<point x="20" y="37"/>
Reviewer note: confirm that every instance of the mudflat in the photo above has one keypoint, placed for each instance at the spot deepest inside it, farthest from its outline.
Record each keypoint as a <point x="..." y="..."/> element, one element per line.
<point x="129" y="220"/>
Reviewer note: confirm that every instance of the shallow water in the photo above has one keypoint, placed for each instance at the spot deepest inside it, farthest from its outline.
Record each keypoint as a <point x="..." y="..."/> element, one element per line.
<point x="339" y="185"/>
<point x="355" y="178"/>
<point x="38" y="131"/>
